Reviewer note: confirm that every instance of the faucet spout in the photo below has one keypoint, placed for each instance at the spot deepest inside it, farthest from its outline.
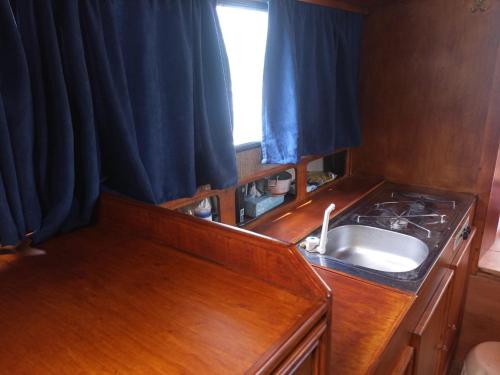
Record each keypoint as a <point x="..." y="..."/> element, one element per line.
<point x="324" y="229"/>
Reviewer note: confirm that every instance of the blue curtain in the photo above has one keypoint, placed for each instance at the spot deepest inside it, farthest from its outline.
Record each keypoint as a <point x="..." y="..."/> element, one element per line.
<point x="310" y="81"/>
<point x="129" y="95"/>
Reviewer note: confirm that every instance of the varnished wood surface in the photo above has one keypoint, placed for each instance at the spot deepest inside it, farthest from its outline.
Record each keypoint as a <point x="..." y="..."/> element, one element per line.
<point x="102" y="302"/>
<point x="364" y="318"/>
<point x="268" y="259"/>
<point x="425" y="92"/>
<point x="405" y="362"/>
<point x="292" y="226"/>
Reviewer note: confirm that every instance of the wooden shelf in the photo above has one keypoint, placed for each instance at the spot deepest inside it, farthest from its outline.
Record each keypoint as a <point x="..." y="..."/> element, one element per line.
<point x="277" y="168"/>
<point x="326" y="185"/>
<point x="182" y="202"/>
<point x="251" y="170"/>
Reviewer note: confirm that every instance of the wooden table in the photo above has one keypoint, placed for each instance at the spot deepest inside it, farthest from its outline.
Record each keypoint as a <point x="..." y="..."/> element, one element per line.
<point x="107" y="302"/>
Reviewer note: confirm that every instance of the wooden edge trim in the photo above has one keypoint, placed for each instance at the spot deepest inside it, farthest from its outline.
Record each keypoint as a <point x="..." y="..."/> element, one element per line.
<point x="185" y="232"/>
<point x="433" y="303"/>
<point x="281" y="353"/>
<point x="272" y="169"/>
<point x="339" y="4"/>
<point x="273" y="215"/>
<point x="181" y="202"/>
<point x="313" y="278"/>
<point x="106" y="214"/>
<point x="311" y="342"/>
<point x="404" y="360"/>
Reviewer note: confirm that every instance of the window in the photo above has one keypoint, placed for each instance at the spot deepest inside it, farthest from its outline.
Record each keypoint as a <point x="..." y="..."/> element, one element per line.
<point x="244" y="28"/>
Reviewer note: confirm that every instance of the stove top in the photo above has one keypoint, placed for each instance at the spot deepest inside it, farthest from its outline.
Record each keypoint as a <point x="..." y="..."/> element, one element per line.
<point x="427" y="214"/>
<point x="413" y="213"/>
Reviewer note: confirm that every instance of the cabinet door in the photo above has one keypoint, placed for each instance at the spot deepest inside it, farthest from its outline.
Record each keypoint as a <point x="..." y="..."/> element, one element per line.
<point x="460" y="265"/>
<point x="429" y="335"/>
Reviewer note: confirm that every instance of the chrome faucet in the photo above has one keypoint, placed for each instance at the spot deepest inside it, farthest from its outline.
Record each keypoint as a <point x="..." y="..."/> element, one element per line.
<point x="324" y="229"/>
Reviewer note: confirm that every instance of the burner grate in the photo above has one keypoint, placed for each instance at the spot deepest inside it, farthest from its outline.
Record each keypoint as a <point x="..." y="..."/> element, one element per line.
<point x="419" y="213"/>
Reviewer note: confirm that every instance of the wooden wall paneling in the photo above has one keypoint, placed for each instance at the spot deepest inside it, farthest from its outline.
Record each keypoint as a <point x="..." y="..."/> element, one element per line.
<point x="425" y="92"/>
<point x="429" y="97"/>
<point x="273" y="261"/>
<point x="493" y="211"/>
<point x="250" y="167"/>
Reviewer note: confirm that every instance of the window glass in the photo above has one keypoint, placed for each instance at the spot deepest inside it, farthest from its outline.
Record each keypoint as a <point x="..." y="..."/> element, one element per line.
<point x="245" y="31"/>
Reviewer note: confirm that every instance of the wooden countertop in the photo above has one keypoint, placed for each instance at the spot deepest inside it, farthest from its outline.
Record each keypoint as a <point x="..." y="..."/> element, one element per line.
<point x="299" y="222"/>
<point x="100" y="302"/>
<point x="365" y="315"/>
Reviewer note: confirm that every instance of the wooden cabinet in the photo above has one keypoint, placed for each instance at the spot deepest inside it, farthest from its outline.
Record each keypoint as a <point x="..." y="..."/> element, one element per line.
<point x="307" y="358"/>
<point x="460" y="265"/>
<point x="429" y="335"/>
<point x="436" y="334"/>
<point x="405" y="362"/>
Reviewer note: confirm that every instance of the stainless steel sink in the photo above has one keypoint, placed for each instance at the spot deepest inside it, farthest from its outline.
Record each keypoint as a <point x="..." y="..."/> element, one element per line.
<point x="375" y="248"/>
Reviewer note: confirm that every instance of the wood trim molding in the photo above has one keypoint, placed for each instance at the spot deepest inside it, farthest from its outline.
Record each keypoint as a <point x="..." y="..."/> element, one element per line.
<point x="489" y="153"/>
<point x="341" y="4"/>
<point x="236" y="249"/>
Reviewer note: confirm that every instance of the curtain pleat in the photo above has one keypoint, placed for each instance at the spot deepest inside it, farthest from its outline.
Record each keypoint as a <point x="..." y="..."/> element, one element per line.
<point x="127" y="96"/>
<point x="310" y="81"/>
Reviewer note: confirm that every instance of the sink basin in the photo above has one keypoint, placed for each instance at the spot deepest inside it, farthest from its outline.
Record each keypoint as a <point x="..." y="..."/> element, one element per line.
<point x="375" y="248"/>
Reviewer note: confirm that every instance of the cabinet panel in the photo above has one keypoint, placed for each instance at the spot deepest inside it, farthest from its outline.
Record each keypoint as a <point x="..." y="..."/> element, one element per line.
<point x="429" y="335"/>
<point x="460" y="265"/>
<point x="307" y="357"/>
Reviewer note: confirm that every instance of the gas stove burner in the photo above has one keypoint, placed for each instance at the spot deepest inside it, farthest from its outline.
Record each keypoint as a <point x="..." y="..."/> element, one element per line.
<point x="417" y="206"/>
<point x="400" y="215"/>
<point x="398" y="223"/>
<point x="414" y="213"/>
